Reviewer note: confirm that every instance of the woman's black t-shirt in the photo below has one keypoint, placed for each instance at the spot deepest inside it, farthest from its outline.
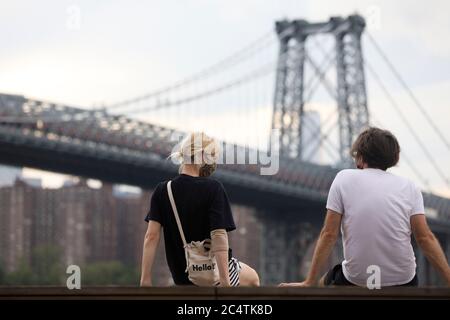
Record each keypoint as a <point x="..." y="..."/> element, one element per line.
<point x="202" y="205"/>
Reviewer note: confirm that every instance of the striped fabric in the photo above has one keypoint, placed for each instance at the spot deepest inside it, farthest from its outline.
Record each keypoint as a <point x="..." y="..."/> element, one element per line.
<point x="234" y="268"/>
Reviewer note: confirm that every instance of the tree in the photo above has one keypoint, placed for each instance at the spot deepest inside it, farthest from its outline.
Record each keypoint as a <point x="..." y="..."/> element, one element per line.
<point x="109" y="273"/>
<point x="46" y="265"/>
<point x="21" y="276"/>
<point x="2" y="274"/>
<point x="46" y="269"/>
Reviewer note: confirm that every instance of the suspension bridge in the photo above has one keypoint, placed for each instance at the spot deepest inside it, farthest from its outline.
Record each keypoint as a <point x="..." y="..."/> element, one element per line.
<point x="311" y="93"/>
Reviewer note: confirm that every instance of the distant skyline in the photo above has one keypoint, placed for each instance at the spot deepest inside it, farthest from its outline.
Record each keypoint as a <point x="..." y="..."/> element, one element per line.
<point x="8" y="175"/>
<point x="121" y="49"/>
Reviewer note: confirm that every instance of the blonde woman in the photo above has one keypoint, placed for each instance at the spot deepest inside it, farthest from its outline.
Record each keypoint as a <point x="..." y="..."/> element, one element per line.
<point x="204" y="211"/>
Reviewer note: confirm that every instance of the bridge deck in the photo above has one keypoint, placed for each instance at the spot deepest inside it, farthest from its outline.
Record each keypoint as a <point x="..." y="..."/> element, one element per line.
<point x="193" y="293"/>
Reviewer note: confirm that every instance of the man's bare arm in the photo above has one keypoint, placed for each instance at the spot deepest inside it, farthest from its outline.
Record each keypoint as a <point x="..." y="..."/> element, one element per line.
<point x="430" y="245"/>
<point x="325" y="245"/>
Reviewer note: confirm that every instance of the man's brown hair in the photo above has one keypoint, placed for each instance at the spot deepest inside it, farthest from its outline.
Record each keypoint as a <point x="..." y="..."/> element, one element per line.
<point x="376" y="147"/>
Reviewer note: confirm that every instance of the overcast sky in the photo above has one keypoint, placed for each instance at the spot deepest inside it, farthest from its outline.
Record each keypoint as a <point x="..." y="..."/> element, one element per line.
<point x="120" y="49"/>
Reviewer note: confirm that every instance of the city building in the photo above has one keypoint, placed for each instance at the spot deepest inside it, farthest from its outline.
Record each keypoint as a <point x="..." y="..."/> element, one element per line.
<point x="15" y="225"/>
<point x="85" y="224"/>
<point x="8" y="175"/>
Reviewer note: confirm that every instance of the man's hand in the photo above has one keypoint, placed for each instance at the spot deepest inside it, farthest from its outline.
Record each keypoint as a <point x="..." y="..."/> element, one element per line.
<point x="303" y="284"/>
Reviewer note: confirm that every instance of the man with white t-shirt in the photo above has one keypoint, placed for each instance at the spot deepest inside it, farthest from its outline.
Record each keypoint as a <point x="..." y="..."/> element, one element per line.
<point x="376" y="213"/>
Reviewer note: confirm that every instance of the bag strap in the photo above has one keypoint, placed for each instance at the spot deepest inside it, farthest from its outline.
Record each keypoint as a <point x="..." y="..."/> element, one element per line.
<point x="175" y="212"/>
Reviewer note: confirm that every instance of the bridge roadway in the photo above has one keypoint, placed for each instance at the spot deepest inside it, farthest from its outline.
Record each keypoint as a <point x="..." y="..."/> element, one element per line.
<point x="118" y="149"/>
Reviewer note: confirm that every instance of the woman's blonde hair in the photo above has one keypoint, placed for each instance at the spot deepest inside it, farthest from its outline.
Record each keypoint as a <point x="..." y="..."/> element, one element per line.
<point x="199" y="149"/>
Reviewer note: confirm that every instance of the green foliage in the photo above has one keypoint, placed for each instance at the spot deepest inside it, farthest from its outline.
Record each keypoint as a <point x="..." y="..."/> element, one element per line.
<point x="2" y="274"/>
<point x="46" y="269"/>
<point x="108" y="273"/>
<point x="21" y="276"/>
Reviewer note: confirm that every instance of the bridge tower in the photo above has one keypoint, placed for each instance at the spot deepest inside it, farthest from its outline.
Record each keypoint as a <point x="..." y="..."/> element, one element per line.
<point x="350" y="94"/>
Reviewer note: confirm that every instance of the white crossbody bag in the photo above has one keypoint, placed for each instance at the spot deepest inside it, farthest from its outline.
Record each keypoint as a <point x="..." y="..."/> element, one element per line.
<point x="201" y="265"/>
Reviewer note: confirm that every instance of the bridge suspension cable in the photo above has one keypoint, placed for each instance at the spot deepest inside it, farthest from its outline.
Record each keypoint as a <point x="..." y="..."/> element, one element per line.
<point x="87" y="115"/>
<point x="266" y="69"/>
<point x="225" y="64"/>
<point x="396" y="107"/>
<point x="406" y="122"/>
<point x="246" y="53"/>
<point x="134" y="108"/>
<point x="408" y="90"/>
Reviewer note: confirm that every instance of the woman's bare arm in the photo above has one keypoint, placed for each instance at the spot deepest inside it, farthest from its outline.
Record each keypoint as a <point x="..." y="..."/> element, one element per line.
<point x="151" y="242"/>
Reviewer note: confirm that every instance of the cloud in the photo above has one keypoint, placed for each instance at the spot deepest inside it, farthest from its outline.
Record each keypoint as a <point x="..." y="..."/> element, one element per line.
<point x="434" y="98"/>
<point x="424" y="25"/>
<point x="78" y="76"/>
